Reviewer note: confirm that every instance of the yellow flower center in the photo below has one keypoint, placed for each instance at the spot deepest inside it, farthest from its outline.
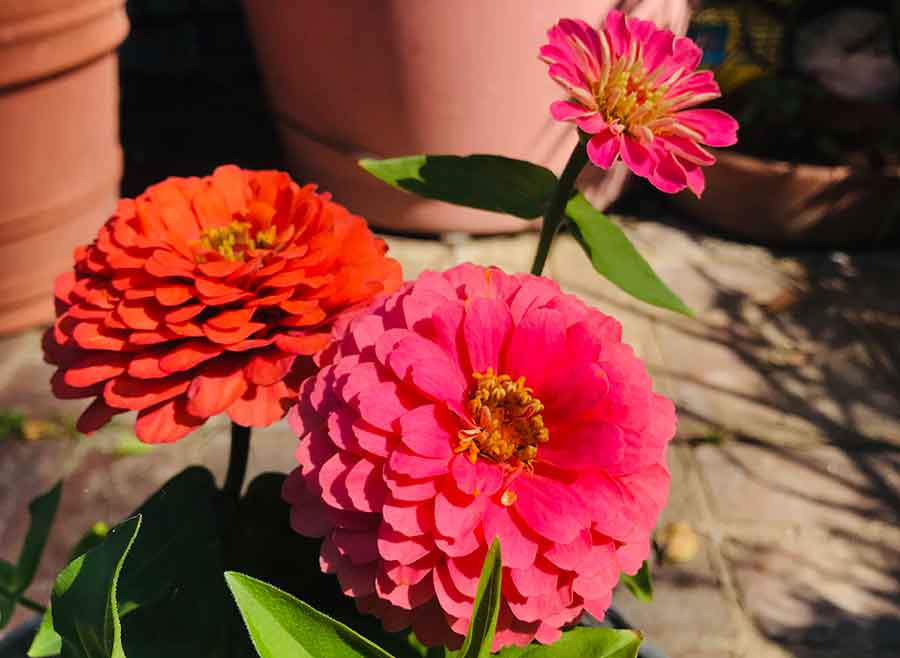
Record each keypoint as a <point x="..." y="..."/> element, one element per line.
<point x="234" y="240"/>
<point x="509" y="422"/>
<point x="630" y="97"/>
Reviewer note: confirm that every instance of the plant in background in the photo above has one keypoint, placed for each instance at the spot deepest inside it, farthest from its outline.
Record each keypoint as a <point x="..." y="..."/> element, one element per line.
<point x="482" y="454"/>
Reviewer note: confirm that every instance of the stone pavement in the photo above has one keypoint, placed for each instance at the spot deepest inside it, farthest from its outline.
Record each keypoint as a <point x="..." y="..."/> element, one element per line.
<point x="786" y="469"/>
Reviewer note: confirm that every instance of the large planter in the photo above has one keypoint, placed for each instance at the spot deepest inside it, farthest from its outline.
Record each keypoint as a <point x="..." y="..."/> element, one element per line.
<point x="785" y="203"/>
<point x="60" y="161"/>
<point x="356" y="78"/>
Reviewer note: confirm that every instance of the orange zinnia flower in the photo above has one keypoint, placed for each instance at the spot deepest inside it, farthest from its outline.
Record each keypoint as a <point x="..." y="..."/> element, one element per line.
<point x="208" y="295"/>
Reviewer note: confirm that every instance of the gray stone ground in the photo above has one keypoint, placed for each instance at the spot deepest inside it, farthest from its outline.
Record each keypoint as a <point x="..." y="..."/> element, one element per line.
<point x="786" y="467"/>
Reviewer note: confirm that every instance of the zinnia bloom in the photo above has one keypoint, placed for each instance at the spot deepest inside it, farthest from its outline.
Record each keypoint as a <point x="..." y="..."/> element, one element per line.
<point x="630" y="86"/>
<point x="471" y="405"/>
<point x="208" y="295"/>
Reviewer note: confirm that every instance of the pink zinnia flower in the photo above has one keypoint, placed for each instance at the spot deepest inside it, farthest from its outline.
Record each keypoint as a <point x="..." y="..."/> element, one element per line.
<point x="630" y="86"/>
<point x="473" y="404"/>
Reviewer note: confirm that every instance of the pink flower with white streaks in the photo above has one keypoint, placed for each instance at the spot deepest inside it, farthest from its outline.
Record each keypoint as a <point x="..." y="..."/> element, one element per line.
<point x="469" y="405"/>
<point x="630" y="88"/>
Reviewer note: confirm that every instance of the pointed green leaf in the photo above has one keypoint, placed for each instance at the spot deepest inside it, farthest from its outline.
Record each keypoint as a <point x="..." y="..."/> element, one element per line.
<point x="487" y="182"/>
<point x="12" y="583"/>
<point x="614" y="257"/>
<point x="480" y="635"/>
<point x="85" y="612"/>
<point x="640" y="584"/>
<point x="47" y="642"/>
<point x="582" y="643"/>
<point x="174" y="564"/>
<point x="282" y="625"/>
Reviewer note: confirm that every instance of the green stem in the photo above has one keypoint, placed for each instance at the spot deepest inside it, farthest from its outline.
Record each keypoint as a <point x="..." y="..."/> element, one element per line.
<point x="24" y="601"/>
<point x="555" y="215"/>
<point x="237" y="460"/>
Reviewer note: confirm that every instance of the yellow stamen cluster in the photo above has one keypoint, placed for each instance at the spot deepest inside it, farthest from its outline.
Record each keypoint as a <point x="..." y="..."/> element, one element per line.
<point x="509" y="422"/>
<point x="236" y="239"/>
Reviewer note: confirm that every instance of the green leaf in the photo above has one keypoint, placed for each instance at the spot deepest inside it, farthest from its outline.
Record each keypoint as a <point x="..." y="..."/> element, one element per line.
<point x="47" y="642"/>
<point x="487" y="182"/>
<point x="171" y="594"/>
<point x="640" y="584"/>
<point x="614" y="257"/>
<point x="282" y="625"/>
<point x="174" y="563"/>
<point x="42" y="511"/>
<point x="85" y="612"/>
<point x="480" y="635"/>
<point x="582" y="643"/>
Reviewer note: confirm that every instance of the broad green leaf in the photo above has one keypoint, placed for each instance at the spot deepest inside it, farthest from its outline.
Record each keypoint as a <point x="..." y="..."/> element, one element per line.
<point x="85" y="612"/>
<point x="640" y="584"/>
<point x="487" y="182"/>
<point x="42" y="510"/>
<point x="582" y="643"/>
<point x="47" y="642"/>
<point x="282" y="625"/>
<point x="614" y="257"/>
<point x="171" y="594"/>
<point x="174" y="563"/>
<point x="480" y="635"/>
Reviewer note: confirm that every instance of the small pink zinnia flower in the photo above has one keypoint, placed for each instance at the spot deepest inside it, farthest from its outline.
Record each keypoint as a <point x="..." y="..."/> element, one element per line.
<point x="471" y="405"/>
<point x="630" y="87"/>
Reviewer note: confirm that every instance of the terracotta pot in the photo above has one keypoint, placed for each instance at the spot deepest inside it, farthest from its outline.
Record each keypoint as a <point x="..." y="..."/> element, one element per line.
<point x="785" y="203"/>
<point x="357" y="78"/>
<point x="61" y="162"/>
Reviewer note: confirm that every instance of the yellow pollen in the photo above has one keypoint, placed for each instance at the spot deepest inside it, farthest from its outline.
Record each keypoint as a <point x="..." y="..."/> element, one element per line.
<point x="631" y="97"/>
<point x="508" y="418"/>
<point x="234" y="240"/>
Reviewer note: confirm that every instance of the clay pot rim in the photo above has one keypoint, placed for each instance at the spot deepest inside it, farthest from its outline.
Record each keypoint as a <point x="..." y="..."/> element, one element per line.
<point x="755" y="165"/>
<point x="70" y="35"/>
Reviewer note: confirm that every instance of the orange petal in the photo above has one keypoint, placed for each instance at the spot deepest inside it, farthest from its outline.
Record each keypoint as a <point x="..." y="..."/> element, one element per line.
<point x="142" y="315"/>
<point x="229" y="181"/>
<point x="184" y="313"/>
<point x="302" y="343"/>
<point x="188" y="354"/>
<point x="132" y="393"/>
<point x="96" y="367"/>
<point x="95" y="416"/>
<point x="211" y="288"/>
<point x="173" y="294"/>
<point x="166" y="422"/>
<point x="233" y="319"/>
<point x="211" y="209"/>
<point x="91" y="336"/>
<point x="216" y="387"/>
<point x="260" y="406"/>
<point x="229" y="336"/>
<point x="220" y="268"/>
<point x="268" y="367"/>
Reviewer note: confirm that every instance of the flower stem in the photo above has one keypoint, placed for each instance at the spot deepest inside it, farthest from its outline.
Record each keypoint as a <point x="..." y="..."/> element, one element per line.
<point x="24" y="601"/>
<point x="555" y="215"/>
<point x="237" y="460"/>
